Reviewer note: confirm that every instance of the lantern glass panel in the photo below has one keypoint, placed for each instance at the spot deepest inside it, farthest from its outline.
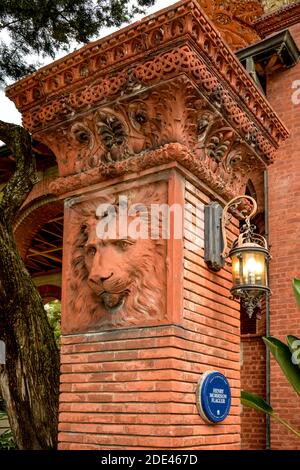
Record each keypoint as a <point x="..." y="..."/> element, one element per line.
<point x="249" y="268"/>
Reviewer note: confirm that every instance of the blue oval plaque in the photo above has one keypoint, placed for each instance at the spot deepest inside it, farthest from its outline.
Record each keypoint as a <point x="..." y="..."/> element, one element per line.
<point x="213" y="397"/>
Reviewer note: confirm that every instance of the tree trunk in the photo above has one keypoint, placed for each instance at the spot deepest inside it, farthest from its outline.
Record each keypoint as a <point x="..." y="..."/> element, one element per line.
<point x="30" y="378"/>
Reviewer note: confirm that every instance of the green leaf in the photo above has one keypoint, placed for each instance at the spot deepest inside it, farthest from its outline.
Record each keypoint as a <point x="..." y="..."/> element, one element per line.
<point x="257" y="403"/>
<point x="294" y="346"/>
<point x="296" y="289"/>
<point x="254" y="401"/>
<point x="283" y="356"/>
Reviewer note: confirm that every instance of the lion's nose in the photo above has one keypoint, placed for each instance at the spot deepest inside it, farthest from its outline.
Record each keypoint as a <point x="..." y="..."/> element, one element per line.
<point x="96" y="279"/>
<point x="104" y="278"/>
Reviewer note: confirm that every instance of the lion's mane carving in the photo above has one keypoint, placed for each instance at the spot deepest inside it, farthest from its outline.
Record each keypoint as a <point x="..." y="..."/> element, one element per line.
<point x="117" y="283"/>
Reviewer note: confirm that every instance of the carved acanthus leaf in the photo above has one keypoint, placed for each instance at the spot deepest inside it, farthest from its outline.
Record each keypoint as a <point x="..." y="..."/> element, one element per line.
<point x="113" y="136"/>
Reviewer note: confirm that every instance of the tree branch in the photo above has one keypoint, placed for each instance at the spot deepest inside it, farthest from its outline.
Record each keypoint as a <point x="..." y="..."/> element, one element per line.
<point x="20" y="184"/>
<point x="9" y="23"/>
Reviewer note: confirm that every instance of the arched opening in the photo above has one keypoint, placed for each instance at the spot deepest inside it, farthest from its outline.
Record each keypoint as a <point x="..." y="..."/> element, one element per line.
<point x="39" y="235"/>
<point x="50" y="292"/>
<point x="43" y="260"/>
<point x="44" y="254"/>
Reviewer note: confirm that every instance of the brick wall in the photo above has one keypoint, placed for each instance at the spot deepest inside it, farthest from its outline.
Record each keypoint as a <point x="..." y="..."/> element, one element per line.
<point x="211" y="319"/>
<point x="284" y="194"/>
<point x="253" y="379"/>
<point x="121" y="390"/>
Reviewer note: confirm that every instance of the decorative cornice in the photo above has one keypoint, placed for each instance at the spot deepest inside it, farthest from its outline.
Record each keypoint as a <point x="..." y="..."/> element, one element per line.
<point x="132" y="58"/>
<point x="278" y="19"/>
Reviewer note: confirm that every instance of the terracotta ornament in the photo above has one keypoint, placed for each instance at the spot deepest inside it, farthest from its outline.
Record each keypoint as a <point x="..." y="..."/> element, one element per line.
<point x="234" y="19"/>
<point x="119" y="279"/>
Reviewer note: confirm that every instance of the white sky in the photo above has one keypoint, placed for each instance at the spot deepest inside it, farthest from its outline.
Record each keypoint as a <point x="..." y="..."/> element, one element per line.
<point x="8" y="111"/>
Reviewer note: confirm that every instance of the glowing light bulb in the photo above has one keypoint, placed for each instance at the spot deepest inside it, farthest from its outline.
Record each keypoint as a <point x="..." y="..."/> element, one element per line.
<point x="250" y="270"/>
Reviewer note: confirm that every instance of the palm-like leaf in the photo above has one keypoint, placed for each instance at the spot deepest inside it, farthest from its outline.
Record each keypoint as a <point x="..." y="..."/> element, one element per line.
<point x="294" y="346"/>
<point x="296" y="289"/>
<point x="257" y="403"/>
<point x="283" y="356"/>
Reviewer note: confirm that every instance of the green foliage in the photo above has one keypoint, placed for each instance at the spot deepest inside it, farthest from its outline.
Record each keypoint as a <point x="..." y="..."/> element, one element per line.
<point x="296" y="289"/>
<point x="45" y="27"/>
<point x="257" y="403"/>
<point x="283" y="356"/>
<point x="294" y="346"/>
<point x="53" y="310"/>
<point x="7" y="441"/>
<point x="288" y="358"/>
<point x="6" y="438"/>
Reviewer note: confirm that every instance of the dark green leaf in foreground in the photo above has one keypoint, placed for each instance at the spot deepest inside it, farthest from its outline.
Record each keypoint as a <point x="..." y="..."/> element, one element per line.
<point x="254" y="401"/>
<point x="296" y="289"/>
<point x="283" y="356"/>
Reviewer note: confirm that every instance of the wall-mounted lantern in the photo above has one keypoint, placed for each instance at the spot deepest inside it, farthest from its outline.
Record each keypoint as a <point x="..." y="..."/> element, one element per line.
<point x="249" y="252"/>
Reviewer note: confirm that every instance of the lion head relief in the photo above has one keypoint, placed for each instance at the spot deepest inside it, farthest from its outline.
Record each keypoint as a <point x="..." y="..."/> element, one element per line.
<point x="116" y="279"/>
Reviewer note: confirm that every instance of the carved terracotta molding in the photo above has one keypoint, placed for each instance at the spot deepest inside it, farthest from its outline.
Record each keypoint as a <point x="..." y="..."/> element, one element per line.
<point x="234" y="19"/>
<point x="138" y="57"/>
<point x="174" y="111"/>
<point x="278" y="19"/>
<point x="227" y="172"/>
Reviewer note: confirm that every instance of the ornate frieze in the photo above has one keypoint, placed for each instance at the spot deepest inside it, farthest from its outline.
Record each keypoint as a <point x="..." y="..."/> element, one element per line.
<point x="228" y="177"/>
<point x="213" y="133"/>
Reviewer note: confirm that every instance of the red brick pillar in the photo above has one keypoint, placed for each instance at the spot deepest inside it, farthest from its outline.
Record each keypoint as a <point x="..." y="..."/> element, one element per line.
<point x="160" y="113"/>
